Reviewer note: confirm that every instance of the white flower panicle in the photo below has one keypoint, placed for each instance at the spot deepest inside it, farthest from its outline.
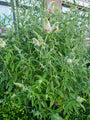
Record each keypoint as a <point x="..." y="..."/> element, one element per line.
<point x="2" y="43"/>
<point x="55" y="26"/>
<point x="47" y="26"/>
<point x="36" y="42"/>
<point x="22" y="17"/>
<point x="80" y="99"/>
<point x="40" y="81"/>
<point x="19" y="85"/>
<point x="39" y="41"/>
<point x="51" y="7"/>
<point x="69" y="60"/>
<point x="14" y="95"/>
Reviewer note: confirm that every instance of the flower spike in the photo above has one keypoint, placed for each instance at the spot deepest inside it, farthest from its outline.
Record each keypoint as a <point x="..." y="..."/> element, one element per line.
<point x="80" y="99"/>
<point x="55" y="26"/>
<point x="36" y="42"/>
<point x="69" y="60"/>
<point x="2" y="43"/>
<point x="47" y="26"/>
<point x="51" y="7"/>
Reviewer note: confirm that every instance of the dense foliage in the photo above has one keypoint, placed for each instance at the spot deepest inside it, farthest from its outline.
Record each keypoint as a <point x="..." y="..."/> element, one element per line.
<point x="43" y="69"/>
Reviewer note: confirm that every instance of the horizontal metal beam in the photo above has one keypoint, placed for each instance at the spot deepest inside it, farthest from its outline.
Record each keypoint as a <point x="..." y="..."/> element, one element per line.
<point x="5" y="3"/>
<point x="9" y="5"/>
<point x="25" y="6"/>
<point x="68" y="4"/>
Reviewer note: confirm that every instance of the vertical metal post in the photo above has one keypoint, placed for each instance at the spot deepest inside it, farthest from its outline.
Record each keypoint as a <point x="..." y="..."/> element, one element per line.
<point x="14" y="16"/>
<point x="17" y="5"/>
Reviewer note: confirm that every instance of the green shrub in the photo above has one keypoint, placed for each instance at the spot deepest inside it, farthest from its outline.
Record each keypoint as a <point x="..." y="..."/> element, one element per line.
<point x="43" y="71"/>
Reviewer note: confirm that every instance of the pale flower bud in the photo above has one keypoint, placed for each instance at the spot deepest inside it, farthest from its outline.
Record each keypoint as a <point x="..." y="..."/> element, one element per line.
<point x="22" y="17"/>
<point x="40" y="81"/>
<point x="36" y="42"/>
<point x="51" y="7"/>
<point x="55" y="26"/>
<point x="2" y="43"/>
<point x="14" y="95"/>
<point x="69" y="61"/>
<point x="47" y="26"/>
<point x="80" y="99"/>
<point x="19" y="85"/>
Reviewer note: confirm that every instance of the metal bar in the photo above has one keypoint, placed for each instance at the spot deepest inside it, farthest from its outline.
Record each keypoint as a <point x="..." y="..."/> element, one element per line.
<point x="78" y="6"/>
<point x="14" y="16"/>
<point x="16" y="2"/>
<point x="24" y="6"/>
<point x="5" y="3"/>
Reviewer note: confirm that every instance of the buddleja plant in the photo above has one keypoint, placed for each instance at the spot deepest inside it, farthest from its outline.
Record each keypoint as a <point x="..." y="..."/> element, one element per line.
<point x="43" y="67"/>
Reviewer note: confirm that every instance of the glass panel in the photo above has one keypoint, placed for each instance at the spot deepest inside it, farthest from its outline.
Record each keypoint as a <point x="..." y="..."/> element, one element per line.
<point x="65" y="9"/>
<point x="5" y="10"/>
<point x="25" y="2"/>
<point x="30" y="2"/>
